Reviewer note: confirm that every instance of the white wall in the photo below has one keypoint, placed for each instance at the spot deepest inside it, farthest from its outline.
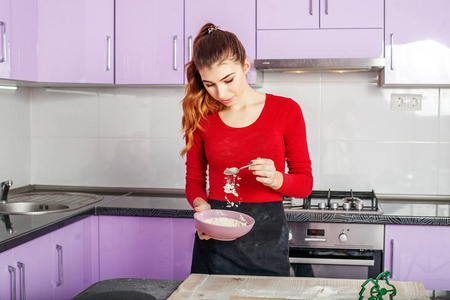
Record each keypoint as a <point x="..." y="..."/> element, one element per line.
<point x="15" y="136"/>
<point x="131" y="136"/>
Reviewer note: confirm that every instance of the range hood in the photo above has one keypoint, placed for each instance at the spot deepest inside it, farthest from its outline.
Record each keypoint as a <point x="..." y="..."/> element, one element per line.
<point x="320" y="65"/>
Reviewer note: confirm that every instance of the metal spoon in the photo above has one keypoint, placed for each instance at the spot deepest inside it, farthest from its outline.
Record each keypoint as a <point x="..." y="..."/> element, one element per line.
<point x="234" y="170"/>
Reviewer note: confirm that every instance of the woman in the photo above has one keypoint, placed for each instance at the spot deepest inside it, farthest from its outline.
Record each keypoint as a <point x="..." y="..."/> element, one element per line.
<point x="226" y="123"/>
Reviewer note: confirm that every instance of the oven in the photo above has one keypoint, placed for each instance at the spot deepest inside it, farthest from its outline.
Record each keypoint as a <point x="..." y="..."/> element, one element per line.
<point x="336" y="250"/>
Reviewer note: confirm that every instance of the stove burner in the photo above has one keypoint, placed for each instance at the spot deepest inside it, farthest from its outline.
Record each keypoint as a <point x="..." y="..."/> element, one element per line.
<point x="359" y="206"/>
<point x="351" y="200"/>
<point x="346" y="205"/>
<point x="328" y="201"/>
<point x="334" y="206"/>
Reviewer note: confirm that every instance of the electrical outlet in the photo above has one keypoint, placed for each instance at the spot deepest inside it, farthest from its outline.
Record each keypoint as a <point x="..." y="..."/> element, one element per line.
<point x="406" y="102"/>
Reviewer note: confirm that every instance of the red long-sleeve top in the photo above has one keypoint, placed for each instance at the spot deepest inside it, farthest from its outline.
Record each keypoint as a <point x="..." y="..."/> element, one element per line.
<point x="279" y="133"/>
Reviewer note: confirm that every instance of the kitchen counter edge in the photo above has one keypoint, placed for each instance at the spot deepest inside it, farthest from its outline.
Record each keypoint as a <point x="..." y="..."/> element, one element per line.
<point x="118" y="207"/>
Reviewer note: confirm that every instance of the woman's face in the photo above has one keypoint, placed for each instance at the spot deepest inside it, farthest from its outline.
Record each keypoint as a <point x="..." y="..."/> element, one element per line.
<point x="226" y="82"/>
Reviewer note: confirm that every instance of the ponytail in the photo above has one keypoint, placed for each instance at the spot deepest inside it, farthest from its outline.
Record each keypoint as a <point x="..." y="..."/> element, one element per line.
<point x="211" y="46"/>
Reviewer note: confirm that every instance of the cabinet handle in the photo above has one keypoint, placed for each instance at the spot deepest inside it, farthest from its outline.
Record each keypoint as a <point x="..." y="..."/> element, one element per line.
<point x="60" y="281"/>
<point x="12" y="270"/>
<point x="311" y="7"/>
<point x="175" y="38"/>
<point x="190" y="48"/>
<point x="326" y="7"/>
<point x="108" y="53"/>
<point x="392" y="258"/>
<point x="21" y="267"/>
<point x="392" y="51"/>
<point x="3" y="25"/>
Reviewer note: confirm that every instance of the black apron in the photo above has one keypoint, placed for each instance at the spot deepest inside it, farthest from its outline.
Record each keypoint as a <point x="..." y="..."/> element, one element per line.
<point x="263" y="251"/>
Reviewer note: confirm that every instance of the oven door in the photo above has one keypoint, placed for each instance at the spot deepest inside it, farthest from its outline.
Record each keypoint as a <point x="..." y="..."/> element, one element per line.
<point x="335" y="263"/>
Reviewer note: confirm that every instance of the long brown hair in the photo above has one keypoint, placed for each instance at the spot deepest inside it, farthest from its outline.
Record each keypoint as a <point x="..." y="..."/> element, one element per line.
<point x="211" y="46"/>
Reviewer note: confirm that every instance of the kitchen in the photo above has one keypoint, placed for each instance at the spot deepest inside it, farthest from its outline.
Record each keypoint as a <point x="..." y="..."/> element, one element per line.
<point x="128" y="136"/>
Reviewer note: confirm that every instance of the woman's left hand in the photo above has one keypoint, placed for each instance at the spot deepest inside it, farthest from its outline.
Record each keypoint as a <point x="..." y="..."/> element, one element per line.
<point x="266" y="173"/>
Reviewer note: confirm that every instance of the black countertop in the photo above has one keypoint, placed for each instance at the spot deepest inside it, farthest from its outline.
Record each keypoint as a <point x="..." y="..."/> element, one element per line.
<point x="394" y="212"/>
<point x="175" y="205"/>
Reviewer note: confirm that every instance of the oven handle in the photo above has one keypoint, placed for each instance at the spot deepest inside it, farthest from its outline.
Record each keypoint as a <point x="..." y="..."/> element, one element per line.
<point x="331" y="261"/>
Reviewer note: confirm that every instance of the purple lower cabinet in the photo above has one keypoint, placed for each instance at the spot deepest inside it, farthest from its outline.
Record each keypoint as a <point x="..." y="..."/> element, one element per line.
<point x="419" y="253"/>
<point x="75" y="258"/>
<point x="144" y="247"/>
<point x="7" y="278"/>
<point x="33" y="263"/>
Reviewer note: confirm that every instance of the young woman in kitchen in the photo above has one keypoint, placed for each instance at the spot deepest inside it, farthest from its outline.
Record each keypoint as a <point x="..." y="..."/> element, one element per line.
<point x="226" y="123"/>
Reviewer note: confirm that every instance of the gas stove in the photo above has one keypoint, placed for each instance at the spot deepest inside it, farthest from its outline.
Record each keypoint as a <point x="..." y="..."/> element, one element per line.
<point x="342" y="202"/>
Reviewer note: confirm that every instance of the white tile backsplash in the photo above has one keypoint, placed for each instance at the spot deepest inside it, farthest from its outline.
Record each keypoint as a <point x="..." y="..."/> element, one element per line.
<point x="444" y="169"/>
<point x="145" y="163"/>
<point x="362" y="112"/>
<point x="15" y="136"/>
<point x="124" y="115"/>
<point x="444" y="123"/>
<point x="64" y="112"/>
<point x="131" y="137"/>
<point x="64" y="161"/>
<point x="397" y="167"/>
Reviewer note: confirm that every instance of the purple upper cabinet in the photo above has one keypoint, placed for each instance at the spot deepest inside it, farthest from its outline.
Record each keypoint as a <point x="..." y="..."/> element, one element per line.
<point x="322" y="43"/>
<point x="24" y="40"/>
<point x="418" y="253"/>
<point x="149" y="42"/>
<point x="224" y="14"/>
<point x="295" y="14"/>
<point x="352" y="14"/>
<point x="306" y="14"/>
<point x="417" y="43"/>
<point x="335" y="29"/>
<point x="287" y="14"/>
<point x="76" y="41"/>
<point x="5" y="54"/>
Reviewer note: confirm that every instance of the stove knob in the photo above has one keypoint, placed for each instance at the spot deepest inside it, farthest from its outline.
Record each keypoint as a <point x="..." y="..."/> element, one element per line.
<point x="290" y="235"/>
<point x="343" y="238"/>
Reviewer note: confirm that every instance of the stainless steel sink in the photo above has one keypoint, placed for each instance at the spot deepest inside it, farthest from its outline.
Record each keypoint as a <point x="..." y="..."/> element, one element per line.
<point x="46" y="202"/>
<point x="31" y="208"/>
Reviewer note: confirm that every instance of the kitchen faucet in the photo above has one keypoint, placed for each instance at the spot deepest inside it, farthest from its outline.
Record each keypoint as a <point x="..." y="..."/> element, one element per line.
<point x="4" y="189"/>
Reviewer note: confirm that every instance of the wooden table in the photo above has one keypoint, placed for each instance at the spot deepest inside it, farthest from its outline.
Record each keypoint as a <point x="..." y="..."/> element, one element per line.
<point x="230" y="287"/>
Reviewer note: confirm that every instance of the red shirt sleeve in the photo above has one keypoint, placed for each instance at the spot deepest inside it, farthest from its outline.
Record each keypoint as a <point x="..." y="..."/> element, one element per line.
<point x="196" y="166"/>
<point x="298" y="181"/>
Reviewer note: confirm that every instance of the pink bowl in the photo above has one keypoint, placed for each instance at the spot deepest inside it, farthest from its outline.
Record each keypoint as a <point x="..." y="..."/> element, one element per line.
<point x="223" y="233"/>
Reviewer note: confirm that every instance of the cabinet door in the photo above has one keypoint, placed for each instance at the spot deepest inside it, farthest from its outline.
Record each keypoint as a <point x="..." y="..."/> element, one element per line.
<point x="149" y="42"/>
<point x="8" y="275"/>
<point x="336" y="29"/>
<point x="140" y="247"/>
<point x="306" y="14"/>
<point x="351" y="14"/>
<point x="234" y="15"/>
<point x="75" y="266"/>
<point x="323" y="43"/>
<point x="5" y="26"/>
<point x="33" y="262"/>
<point x="76" y="41"/>
<point x="287" y="14"/>
<point x="417" y="43"/>
<point x="418" y="253"/>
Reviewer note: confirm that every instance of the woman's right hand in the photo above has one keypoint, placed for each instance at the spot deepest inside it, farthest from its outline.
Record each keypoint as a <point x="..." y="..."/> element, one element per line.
<point x="201" y="204"/>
